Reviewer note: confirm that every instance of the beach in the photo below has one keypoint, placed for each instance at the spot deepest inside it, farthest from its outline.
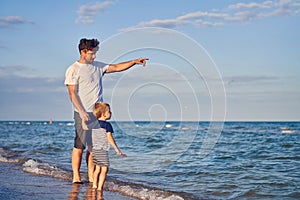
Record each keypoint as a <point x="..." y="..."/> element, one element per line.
<point x="16" y="184"/>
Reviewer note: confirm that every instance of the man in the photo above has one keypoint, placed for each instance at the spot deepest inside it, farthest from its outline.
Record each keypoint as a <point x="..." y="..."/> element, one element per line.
<point x="84" y="82"/>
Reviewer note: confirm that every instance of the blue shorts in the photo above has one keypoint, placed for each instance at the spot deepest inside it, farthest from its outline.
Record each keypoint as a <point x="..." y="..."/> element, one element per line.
<point x="82" y="137"/>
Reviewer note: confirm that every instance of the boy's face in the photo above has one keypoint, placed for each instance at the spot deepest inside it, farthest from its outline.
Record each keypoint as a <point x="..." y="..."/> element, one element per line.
<point x="107" y="114"/>
<point x="89" y="55"/>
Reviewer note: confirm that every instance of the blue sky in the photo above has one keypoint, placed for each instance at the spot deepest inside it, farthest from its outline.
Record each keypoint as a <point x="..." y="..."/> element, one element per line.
<point x="253" y="46"/>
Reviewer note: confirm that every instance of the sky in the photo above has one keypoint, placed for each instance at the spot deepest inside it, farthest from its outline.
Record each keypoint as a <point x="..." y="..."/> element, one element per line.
<point x="208" y="60"/>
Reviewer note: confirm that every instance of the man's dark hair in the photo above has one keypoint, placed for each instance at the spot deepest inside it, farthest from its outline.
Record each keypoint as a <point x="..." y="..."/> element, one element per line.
<point x="88" y="44"/>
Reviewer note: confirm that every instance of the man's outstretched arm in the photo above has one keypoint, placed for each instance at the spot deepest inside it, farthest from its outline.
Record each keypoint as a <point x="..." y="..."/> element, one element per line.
<point x="126" y="65"/>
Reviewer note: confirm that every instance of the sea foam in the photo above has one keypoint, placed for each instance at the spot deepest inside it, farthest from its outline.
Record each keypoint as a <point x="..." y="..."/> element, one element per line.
<point x="140" y="192"/>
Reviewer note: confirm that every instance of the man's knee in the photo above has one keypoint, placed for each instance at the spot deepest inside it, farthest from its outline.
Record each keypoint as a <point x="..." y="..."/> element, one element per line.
<point x="77" y="151"/>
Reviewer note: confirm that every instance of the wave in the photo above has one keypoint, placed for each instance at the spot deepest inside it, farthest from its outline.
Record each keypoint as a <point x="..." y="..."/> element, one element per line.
<point x="46" y="169"/>
<point x="137" y="191"/>
<point x="10" y="160"/>
<point x="11" y="156"/>
<point x="287" y="130"/>
<point x="141" y="191"/>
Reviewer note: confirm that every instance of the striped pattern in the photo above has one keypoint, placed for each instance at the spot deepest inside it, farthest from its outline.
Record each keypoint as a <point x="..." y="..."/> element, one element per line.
<point x="100" y="157"/>
<point x="99" y="139"/>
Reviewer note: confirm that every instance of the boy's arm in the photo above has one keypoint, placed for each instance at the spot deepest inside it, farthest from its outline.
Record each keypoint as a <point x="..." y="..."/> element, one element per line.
<point x="113" y="143"/>
<point x="126" y="65"/>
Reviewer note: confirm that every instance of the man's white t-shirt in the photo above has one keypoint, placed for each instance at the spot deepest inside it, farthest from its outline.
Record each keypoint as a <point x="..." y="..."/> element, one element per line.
<point x="88" y="78"/>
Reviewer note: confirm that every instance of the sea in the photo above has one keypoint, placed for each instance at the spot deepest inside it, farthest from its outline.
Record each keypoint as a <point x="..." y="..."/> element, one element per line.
<point x="165" y="160"/>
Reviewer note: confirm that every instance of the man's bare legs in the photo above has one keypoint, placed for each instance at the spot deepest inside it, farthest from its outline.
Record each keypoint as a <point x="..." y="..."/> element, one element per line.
<point x="89" y="162"/>
<point x="76" y="163"/>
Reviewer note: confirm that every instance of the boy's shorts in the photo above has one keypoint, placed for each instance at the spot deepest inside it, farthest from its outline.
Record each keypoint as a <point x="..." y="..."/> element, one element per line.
<point x="82" y="137"/>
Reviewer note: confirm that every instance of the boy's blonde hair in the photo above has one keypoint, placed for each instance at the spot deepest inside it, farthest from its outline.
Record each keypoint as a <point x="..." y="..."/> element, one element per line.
<point x="100" y="108"/>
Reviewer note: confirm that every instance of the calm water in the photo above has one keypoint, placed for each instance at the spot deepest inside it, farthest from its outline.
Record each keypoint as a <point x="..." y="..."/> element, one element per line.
<point x="247" y="160"/>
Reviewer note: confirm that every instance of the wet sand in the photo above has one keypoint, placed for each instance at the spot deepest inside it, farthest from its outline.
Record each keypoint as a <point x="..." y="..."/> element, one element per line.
<point x="16" y="184"/>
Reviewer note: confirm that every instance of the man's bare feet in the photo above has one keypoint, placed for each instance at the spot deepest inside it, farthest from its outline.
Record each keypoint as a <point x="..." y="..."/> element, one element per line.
<point x="94" y="187"/>
<point x="91" y="180"/>
<point x="100" y="194"/>
<point x="77" y="182"/>
<point x="77" y="179"/>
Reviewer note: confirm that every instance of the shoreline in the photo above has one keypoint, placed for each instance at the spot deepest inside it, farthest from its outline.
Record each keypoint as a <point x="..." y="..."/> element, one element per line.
<point x="17" y="184"/>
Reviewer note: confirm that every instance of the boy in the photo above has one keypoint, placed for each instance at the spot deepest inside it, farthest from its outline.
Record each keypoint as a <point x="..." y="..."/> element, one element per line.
<point x="101" y="140"/>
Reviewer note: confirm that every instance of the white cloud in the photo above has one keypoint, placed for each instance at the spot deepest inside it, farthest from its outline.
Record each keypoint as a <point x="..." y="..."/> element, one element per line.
<point x="11" y="21"/>
<point x="190" y="18"/>
<point x="207" y="23"/>
<point x="242" y="16"/>
<point x="86" y="13"/>
<point x="296" y="4"/>
<point x="277" y="12"/>
<point x="239" y="12"/>
<point x="283" y="3"/>
<point x="18" y="70"/>
<point x="267" y="9"/>
<point x="263" y="5"/>
<point x="24" y="79"/>
<point x="165" y="23"/>
<point x="34" y="98"/>
<point x="197" y="15"/>
<point x="27" y="95"/>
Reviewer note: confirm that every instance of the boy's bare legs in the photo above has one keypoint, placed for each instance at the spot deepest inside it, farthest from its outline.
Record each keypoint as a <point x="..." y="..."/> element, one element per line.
<point x="89" y="162"/>
<point x="102" y="178"/>
<point x="95" y="176"/>
<point x="76" y="163"/>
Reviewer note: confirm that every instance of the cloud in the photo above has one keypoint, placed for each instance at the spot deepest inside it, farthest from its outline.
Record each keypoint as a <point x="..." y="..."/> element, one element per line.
<point x="86" y="13"/>
<point x="11" y="21"/>
<point x="246" y="79"/>
<point x="3" y="47"/>
<point x="263" y="10"/>
<point x="243" y="16"/>
<point x="190" y="18"/>
<point x="165" y="23"/>
<point x="26" y="96"/>
<point x="207" y="23"/>
<point x="264" y="5"/>
<point x="239" y="12"/>
<point x="197" y="15"/>
<point x="140" y="76"/>
<point x="22" y="79"/>
<point x="16" y="70"/>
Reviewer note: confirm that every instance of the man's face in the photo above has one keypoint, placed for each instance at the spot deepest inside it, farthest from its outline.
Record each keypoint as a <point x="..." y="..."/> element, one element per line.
<point x="89" y="55"/>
